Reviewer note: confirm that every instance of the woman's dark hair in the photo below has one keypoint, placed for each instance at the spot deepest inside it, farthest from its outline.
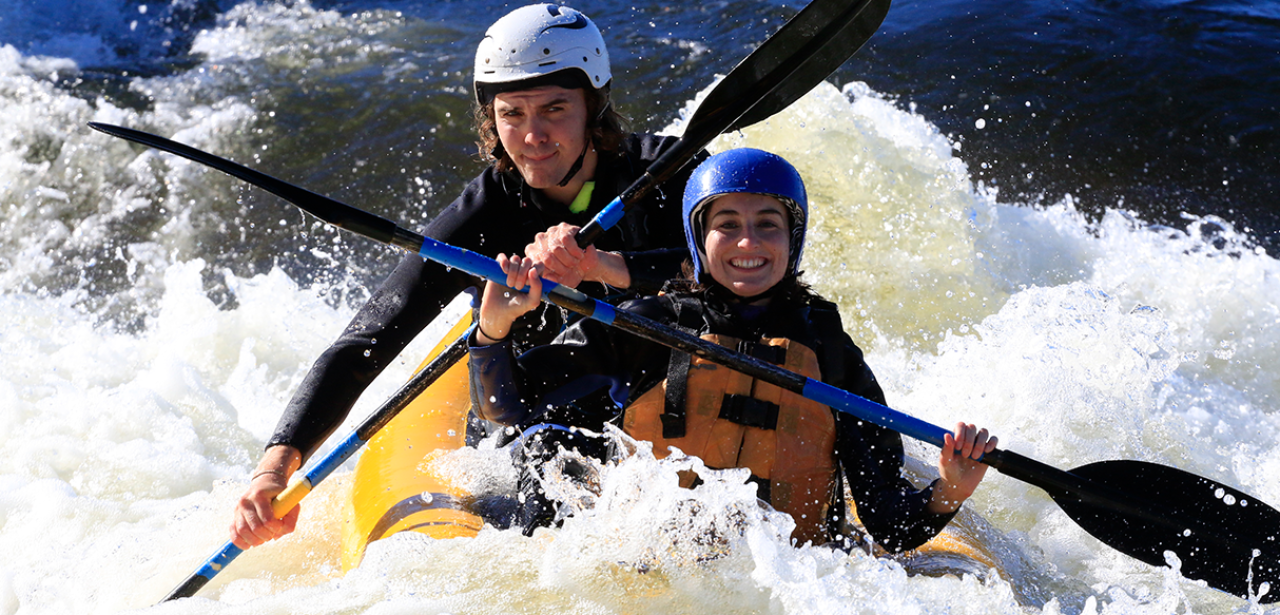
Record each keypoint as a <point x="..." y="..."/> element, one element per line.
<point x="606" y="126"/>
<point x="789" y="286"/>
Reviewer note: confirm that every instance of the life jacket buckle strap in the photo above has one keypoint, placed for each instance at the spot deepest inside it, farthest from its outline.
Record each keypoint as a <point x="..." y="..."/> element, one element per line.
<point x="776" y="355"/>
<point x="749" y="411"/>
<point x="673" y="426"/>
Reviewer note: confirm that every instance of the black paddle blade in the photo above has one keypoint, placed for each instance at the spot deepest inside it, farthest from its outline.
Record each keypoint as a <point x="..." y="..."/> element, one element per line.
<point x="806" y="50"/>
<point x="1224" y="537"/>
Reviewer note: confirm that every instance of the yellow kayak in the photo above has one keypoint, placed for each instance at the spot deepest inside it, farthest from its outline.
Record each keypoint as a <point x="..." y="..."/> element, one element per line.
<point x="395" y="489"/>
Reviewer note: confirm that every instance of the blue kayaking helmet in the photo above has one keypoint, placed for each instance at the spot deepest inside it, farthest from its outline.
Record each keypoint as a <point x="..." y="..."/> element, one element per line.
<point x="743" y="170"/>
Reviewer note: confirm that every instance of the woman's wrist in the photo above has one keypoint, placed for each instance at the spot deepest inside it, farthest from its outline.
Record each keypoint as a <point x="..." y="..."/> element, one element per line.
<point x="946" y="498"/>
<point x="489" y="332"/>
<point x="486" y="339"/>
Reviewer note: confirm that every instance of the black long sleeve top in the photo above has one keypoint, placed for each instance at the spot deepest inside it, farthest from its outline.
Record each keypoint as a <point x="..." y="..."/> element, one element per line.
<point x="497" y="213"/>
<point x="592" y="370"/>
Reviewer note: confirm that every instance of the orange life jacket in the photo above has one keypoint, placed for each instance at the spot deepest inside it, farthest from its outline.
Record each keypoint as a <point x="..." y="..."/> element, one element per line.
<point x="734" y="421"/>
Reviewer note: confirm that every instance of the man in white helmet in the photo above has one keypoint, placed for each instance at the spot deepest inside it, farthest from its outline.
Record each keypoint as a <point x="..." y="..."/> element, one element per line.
<point x="558" y="155"/>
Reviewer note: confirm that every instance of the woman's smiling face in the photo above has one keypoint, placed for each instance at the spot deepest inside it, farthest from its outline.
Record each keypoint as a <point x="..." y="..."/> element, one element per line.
<point x="747" y="242"/>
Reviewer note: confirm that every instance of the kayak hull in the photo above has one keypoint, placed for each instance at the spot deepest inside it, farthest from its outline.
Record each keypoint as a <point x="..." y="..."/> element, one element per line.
<point x="395" y="488"/>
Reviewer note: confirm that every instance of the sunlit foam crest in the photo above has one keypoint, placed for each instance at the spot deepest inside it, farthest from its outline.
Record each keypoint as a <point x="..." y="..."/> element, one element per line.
<point x="298" y="33"/>
<point x="92" y="212"/>
<point x="891" y="238"/>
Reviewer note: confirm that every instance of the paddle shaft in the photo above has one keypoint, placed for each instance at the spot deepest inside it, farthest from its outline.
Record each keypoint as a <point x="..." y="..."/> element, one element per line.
<point x="1057" y="483"/>
<point x="385" y="231"/>
<point x="299" y="487"/>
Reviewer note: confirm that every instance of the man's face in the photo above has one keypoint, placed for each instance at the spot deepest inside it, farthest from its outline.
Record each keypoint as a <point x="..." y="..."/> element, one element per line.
<point x="543" y="129"/>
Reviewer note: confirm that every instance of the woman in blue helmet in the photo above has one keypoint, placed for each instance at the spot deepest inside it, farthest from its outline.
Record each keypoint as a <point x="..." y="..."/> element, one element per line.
<point x="745" y="214"/>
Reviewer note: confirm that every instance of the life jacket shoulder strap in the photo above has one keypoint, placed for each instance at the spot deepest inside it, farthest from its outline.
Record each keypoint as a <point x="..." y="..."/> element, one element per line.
<point x="688" y="320"/>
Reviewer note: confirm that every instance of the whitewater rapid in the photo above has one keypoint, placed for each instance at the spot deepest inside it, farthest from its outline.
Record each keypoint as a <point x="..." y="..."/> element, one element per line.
<point x="141" y="374"/>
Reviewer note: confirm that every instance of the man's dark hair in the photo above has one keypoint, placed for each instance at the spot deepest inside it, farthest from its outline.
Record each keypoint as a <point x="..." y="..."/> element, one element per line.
<point x="606" y="126"/>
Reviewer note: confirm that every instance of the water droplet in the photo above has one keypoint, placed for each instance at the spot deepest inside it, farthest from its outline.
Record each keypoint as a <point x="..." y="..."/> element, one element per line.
<point x="1229" y="499"/>
<point x="1186" y="532"/>
<point x="980" y="124"/>
<point x="426" y="496"/>
<point x="368" y="353"/>
<point x="1219" y="492"/>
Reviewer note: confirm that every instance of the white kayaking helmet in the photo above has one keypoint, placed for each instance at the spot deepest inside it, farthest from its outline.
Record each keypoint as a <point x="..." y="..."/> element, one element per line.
<point x="540" y="44"/>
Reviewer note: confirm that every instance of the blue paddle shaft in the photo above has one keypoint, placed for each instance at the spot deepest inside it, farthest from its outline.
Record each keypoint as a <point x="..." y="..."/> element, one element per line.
<point x="482" y="266"/>
<point x="611" y="214"/>
<point x="843" y="401"/>
<point x="872" y="412"/>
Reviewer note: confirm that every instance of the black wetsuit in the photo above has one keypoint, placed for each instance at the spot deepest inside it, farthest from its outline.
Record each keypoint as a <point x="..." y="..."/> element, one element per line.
<point x="496" y="214"/>
<point x="597" y="370"/>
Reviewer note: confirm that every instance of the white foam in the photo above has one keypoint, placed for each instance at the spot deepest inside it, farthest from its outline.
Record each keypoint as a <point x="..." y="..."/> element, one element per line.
<point x="124" y="440"/>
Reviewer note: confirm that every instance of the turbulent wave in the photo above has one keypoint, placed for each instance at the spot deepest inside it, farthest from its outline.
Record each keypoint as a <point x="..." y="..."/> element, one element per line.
<point x="155" y="317"/>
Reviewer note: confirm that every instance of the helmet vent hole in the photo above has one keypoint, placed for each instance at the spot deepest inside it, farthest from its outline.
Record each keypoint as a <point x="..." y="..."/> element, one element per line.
<point x="546" y="52"/>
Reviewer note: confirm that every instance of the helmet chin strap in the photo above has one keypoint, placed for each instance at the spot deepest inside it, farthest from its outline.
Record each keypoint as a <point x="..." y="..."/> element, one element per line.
<point x="577" y="164"/>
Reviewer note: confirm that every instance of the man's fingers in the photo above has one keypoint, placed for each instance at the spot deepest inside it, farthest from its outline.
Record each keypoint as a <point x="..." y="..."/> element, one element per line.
<point x="290" y="520"/>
